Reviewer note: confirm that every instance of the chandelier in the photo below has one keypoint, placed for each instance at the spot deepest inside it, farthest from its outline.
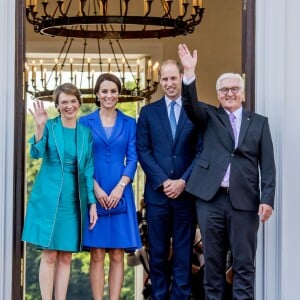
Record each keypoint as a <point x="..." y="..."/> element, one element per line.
<point x="139" y="76"/>
<point x="105" y="21"/>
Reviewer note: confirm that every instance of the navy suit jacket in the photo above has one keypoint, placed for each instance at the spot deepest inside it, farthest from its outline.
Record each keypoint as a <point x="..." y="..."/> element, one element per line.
<point x="252" y="174"/>
<point x="160" y="156"/>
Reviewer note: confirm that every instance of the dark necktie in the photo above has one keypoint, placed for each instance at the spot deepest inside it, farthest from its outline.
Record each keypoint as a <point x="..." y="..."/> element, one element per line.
<point x="172" y="119"/>
<point x="232" y="118"/>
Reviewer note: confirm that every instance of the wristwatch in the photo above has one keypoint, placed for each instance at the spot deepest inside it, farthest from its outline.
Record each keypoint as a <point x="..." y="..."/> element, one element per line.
<point x="122" y="184"/>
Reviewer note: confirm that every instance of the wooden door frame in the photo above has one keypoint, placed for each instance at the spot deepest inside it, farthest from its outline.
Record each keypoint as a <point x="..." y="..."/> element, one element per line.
<point x="19" y="153"/>
<point x="248" y="51"/>
<point x="248" y="68"/>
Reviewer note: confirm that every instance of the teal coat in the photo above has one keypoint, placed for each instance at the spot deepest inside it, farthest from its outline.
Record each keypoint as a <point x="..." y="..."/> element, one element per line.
<point x="44" y="198"/>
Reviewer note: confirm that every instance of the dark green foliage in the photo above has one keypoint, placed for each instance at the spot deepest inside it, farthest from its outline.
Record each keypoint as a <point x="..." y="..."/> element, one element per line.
<point x="79" y="287"/>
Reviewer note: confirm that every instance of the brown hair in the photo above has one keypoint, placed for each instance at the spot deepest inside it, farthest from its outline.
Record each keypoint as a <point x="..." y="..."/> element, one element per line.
<point x="171" y="62"/>
<point x="69" y="89"/>
<point x="103" y="77"/>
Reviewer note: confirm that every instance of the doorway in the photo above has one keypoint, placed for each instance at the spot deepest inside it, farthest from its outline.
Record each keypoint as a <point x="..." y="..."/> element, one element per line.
<point x="247" y="67"/>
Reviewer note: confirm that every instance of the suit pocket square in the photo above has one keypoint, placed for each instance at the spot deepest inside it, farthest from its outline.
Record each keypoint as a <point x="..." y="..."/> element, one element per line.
<point x="121" y="208"/>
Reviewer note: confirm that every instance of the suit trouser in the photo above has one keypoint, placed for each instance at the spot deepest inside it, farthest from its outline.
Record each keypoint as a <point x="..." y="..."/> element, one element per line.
<point x="224" y="228"/>
<point x="171" y="278"/>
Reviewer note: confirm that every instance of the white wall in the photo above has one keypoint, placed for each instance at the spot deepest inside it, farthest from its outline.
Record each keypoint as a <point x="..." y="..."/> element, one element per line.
<point x="7" y="38"/>
<point x="277" y="96"/>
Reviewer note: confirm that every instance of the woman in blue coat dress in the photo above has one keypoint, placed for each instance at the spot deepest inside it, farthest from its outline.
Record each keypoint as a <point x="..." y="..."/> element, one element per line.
<point x="63" y="189"/>
<point x="115" y="162"/>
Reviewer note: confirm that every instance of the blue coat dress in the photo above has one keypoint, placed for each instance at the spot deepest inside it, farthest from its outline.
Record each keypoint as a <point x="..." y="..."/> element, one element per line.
<point x="114" y="157"/>
<point x="45" y="217"/>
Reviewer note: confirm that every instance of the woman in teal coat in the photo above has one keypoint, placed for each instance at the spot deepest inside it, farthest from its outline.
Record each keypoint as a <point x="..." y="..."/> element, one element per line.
<point x="63" y="189"/>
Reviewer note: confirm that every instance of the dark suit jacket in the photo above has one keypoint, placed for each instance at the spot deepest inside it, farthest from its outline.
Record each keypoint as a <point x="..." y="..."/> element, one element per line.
<point x="161" y="157"/>
<point x="252" y="175"/>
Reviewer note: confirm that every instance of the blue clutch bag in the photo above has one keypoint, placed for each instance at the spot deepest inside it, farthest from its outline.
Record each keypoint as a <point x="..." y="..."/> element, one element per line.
<point x="121" y="208"/>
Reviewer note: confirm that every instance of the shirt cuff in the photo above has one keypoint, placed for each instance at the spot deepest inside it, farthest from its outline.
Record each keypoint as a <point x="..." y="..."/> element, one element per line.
<point x="188" y="81"/>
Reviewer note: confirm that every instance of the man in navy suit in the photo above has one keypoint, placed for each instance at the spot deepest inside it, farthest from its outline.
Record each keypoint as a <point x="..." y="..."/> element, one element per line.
<point x="167" y="157"/>
<point x="233" y="180"/>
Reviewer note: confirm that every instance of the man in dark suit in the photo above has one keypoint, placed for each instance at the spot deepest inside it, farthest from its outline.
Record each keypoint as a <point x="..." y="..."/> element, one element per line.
<point x="234" y="180"/>
<point x="166" y="157"/>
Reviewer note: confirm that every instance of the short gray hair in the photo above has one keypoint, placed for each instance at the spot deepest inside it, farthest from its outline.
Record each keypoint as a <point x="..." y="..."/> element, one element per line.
<point x="230" y="76"/>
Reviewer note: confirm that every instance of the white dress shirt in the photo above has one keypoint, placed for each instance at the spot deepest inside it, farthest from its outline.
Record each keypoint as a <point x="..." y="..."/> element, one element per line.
<point x="177" y="107"/>
<point x="238" y="121"/>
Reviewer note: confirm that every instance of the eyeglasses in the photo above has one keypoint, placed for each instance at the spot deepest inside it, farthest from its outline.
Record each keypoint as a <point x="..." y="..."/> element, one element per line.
<point x="225" y="90"/>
